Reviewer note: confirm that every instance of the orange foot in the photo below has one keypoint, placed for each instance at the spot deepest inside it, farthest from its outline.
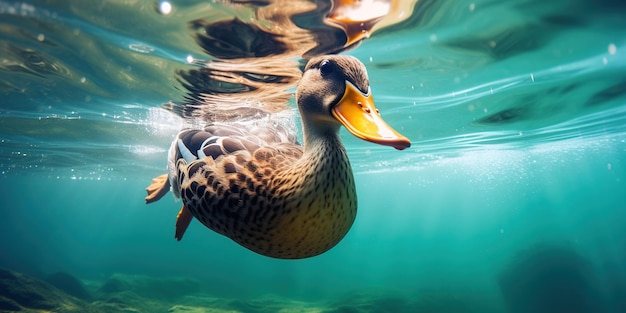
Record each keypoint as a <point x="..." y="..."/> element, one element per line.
<point x="159" y="187"/>
<point x="182" y="222"/>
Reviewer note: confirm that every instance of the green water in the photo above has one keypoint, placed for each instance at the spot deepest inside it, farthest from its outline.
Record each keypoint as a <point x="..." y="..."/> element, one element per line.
<point x="512" y="197"/>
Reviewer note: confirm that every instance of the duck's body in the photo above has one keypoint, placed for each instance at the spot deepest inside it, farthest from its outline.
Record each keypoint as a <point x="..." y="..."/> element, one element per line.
<point x="260" y="188"/>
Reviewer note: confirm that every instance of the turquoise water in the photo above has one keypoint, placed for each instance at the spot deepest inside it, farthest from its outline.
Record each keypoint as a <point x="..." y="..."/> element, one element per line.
<point x="512" y="197"/>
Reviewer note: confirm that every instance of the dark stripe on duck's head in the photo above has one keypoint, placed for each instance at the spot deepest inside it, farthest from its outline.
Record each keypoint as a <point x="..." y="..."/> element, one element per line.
<point x="345" y="67"/>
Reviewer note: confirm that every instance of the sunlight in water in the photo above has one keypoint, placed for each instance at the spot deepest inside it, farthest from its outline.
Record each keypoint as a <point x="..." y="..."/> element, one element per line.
<point x="163" y="122"/>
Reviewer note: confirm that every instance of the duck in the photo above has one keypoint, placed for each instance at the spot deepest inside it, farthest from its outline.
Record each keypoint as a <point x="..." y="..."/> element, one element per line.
<point x="257" y="185"/>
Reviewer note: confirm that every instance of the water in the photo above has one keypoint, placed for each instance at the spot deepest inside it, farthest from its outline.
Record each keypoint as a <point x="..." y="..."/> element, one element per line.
<point x="511" y="198"/>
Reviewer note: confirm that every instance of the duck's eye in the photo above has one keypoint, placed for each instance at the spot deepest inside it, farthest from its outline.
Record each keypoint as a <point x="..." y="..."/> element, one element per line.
<point x="326" y="67"/>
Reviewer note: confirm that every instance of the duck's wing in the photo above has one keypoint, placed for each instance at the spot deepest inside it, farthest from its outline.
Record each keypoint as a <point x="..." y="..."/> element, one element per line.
<point x="223" y="143"/>
<point x="219" y="169"/>
<point x="225" y="152"/>
<point x="219" y="140"/>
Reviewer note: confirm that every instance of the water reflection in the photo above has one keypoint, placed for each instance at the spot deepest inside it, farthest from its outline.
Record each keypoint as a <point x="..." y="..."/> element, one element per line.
<point x="254" y="62"/>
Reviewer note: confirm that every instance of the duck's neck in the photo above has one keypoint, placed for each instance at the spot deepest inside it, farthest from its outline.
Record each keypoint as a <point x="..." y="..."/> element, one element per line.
<point x="317" y="139"/>
<point x="325" y="172"/>
<point x="325" y="157"/>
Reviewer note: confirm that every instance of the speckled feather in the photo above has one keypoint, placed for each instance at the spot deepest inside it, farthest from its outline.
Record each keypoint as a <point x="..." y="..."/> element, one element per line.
<point x="254" y="190"/>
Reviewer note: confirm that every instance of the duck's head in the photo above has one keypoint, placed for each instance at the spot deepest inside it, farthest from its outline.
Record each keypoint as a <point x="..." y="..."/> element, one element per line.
<point x="334" y="91"/>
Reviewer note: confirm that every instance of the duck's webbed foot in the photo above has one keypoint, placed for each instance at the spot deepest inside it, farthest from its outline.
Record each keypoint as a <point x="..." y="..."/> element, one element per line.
<point x="159" y="187"/>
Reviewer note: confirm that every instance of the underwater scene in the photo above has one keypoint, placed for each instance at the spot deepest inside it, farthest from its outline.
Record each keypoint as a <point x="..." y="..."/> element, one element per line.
<point x="318" y="156"/>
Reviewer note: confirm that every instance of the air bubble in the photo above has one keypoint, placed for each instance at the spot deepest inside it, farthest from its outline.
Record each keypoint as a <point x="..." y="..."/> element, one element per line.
<point x="165" y="8"/>
<point x="612" y="49"/>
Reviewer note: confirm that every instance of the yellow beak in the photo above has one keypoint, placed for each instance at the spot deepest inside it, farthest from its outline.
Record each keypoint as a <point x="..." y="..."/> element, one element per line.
<point x="356" y="111"/>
